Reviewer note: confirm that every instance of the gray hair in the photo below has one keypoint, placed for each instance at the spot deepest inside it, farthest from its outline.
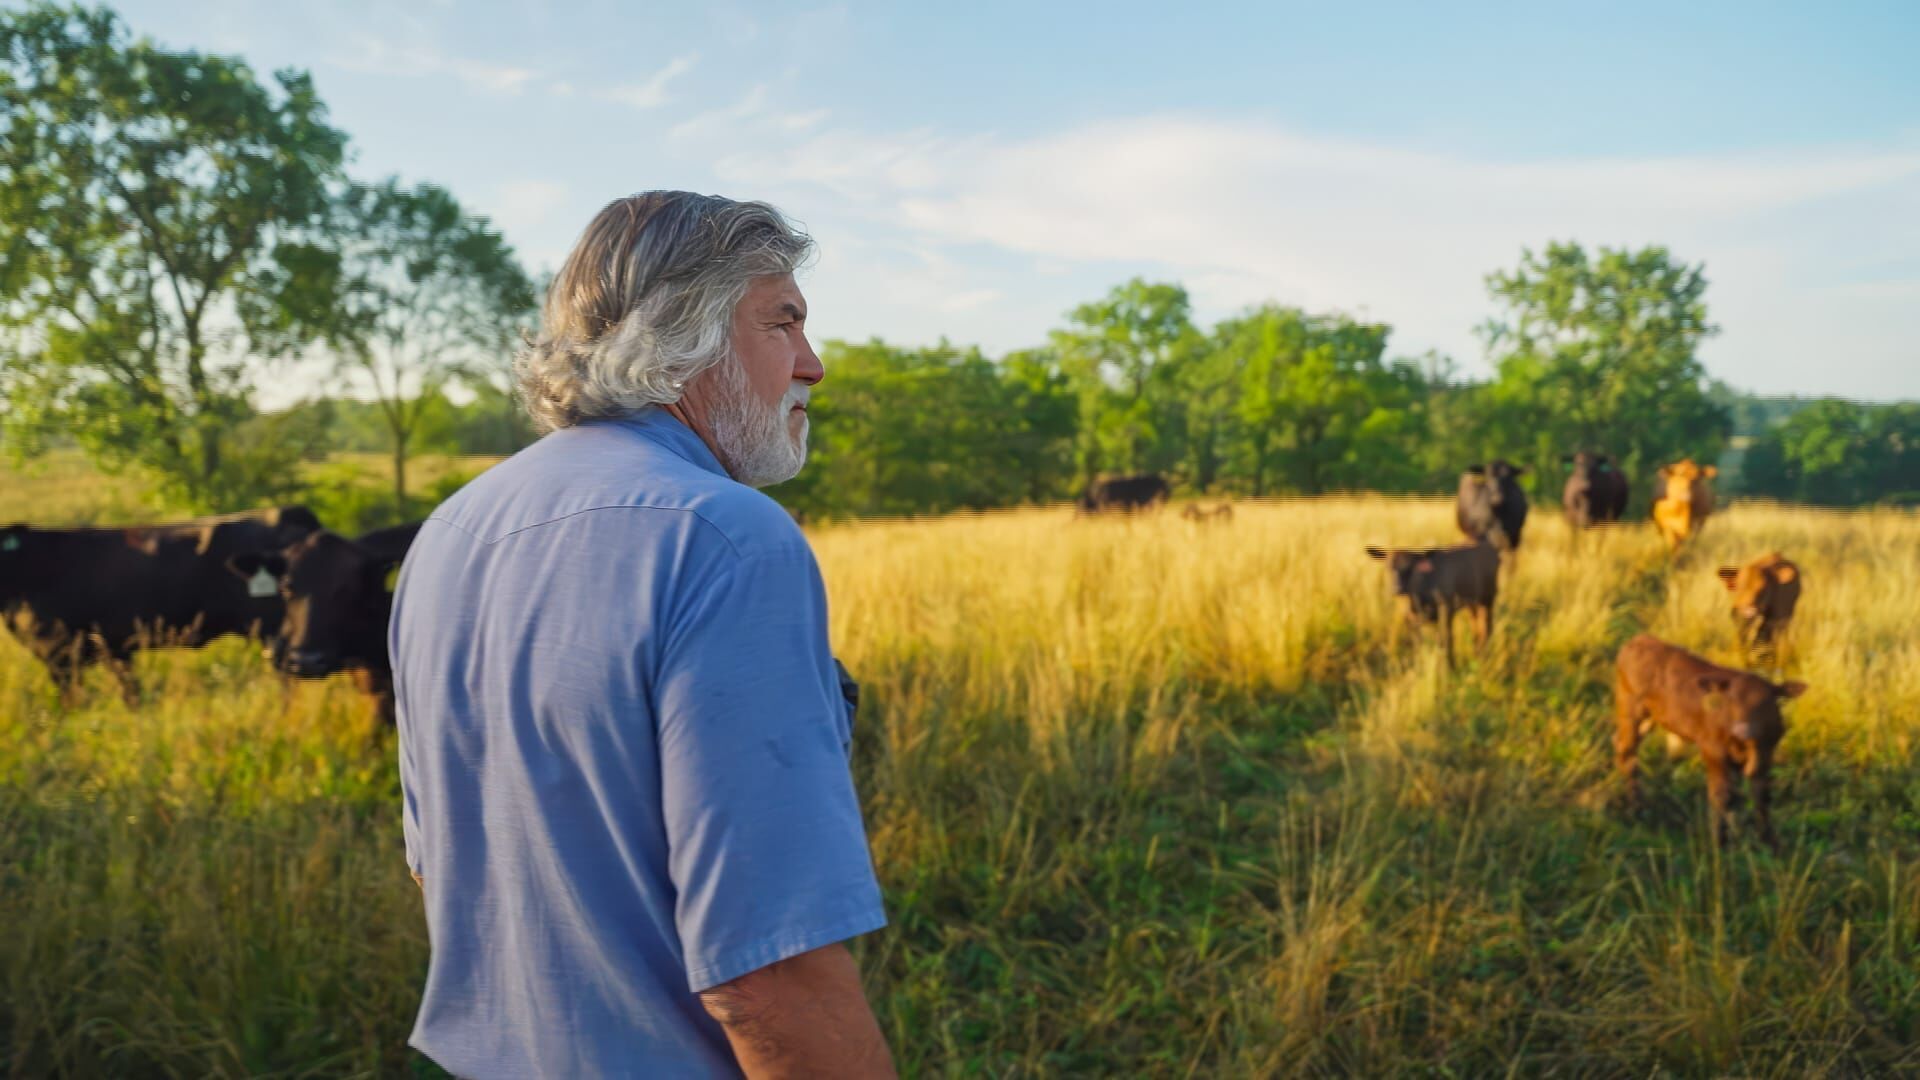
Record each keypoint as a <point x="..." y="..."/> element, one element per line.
<point x="645" y="302"/>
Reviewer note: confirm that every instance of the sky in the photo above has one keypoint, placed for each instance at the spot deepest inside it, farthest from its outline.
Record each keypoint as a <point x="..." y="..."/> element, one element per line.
<point x="975" y="171"/>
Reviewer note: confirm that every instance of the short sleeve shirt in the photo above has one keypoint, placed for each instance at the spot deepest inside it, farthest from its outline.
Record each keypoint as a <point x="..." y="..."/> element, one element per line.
<point x="623" y="755"/>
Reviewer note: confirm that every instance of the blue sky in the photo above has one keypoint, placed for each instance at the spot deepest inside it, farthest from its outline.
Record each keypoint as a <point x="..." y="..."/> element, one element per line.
<point x="973" y="171"/>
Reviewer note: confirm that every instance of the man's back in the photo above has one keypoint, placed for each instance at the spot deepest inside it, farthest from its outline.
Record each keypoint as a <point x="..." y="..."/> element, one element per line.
<point x="623" y="749"/>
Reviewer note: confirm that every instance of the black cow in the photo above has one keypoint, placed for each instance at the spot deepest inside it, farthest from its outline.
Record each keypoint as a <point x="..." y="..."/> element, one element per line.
<point x="338" y="605"/>
<point x="1596" y="493"/>
<point x="1491" y="506"/>
<point x="83" y="596"/>
<point x="1125" y="494"/>
<point x="1434" y="584"/>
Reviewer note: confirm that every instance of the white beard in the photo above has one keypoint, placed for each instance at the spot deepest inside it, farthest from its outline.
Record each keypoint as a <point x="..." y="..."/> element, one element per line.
<point x="752" y="441"/>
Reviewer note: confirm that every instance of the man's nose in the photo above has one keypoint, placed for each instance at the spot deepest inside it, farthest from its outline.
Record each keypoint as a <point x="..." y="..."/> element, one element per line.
<point x="807" y="367"/>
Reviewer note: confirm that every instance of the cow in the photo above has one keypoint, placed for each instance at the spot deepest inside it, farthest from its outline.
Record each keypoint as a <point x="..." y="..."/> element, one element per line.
<point x="338" y="603"/>
<point x="1206" y="515"/>
<point x="1596" y="493"/>
<point x="1685" y="501"/>
<point x="1491" y="506"/>
<point x="1765" y="592"/>
<point x="1732" y="717"/>
<point x="1435" y="583"/>
<point x="76" y="597"/>
<point x="1125" y="494"/>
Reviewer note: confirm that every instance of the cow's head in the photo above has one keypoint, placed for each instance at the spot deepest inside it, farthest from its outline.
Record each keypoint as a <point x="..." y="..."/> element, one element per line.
<point x="337" y="602"/>
<point x="1585" y="464"/>
<point x="1496" y="476"/>
<point x="1684" y="478"/>
<point x="1748" y="706"/>
<point x="1764" y="592"/>
<point x="1412" y="575"/>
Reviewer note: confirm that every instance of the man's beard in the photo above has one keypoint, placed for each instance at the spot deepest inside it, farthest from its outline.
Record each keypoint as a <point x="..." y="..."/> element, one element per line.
<point x="751" y="440"/>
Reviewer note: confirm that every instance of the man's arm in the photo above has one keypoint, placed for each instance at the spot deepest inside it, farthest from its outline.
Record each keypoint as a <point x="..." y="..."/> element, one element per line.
<point x="803" y="1016"/>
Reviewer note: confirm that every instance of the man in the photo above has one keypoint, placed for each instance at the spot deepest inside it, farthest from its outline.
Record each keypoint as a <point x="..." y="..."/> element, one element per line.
<point x="623" y="739"/>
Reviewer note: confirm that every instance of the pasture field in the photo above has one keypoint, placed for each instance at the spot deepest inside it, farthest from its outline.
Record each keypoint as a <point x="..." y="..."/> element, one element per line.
<point x="1147" y="798"/>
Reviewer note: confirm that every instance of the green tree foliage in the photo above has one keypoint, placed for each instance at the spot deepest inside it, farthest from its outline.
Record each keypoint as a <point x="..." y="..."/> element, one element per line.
<point x="908" y="431"/>
<point x="1837" y="453"/>
<point x="1124" y="355"/>
<point x="1598" y="352"/>
<point x="1320" y="408"/>
<point x="160" y="233"/>
<point x="430" y="293"/>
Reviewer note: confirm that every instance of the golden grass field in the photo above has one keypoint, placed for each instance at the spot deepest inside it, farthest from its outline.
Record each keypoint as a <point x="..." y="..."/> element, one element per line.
<point x="1147" y="798"/>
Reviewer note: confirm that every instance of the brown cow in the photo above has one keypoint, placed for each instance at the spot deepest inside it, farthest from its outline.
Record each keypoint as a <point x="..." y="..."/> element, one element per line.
<point x="1434" y="583"/>
<point x="1733" y="717"/>
<point x="1765" y="592"/>
<point x="1685" y="501"/>
<point x="1194" y="512"/>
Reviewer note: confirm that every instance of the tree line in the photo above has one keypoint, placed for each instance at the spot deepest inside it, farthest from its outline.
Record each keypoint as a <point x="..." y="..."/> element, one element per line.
<point x="175" y="229"/>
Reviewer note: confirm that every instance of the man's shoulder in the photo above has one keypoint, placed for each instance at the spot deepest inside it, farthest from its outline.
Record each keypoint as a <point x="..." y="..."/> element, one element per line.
<point x="574" y="477"/>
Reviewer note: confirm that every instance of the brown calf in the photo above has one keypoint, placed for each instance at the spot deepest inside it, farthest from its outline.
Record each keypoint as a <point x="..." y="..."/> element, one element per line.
<point x="1434" y="583"/>
<point x="1732" y="717"/>
<point x="1194" y="512"/>
<point x="1685" y="501"/>
<point x="1765" y="592"/>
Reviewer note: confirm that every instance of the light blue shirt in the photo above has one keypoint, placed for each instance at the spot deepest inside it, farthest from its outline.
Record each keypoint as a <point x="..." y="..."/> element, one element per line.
<point x="624" y="756"/>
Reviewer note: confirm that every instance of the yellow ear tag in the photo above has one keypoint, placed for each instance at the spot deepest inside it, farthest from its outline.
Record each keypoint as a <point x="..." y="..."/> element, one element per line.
<point x="262" y="584"/>
<point x="393" y="579"/>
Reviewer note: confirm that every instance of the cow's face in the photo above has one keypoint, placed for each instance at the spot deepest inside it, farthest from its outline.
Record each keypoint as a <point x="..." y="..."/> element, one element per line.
<point x="1685" y="479"/>
<point x="1411" y="574"/>
<point x="336" y="602"/>
<point x="1763" y="592"/>
<point x="1748" y="706"/>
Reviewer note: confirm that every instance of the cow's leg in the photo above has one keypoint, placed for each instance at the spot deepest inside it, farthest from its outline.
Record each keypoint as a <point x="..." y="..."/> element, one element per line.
<point x="1627" y="712"/>
<point x="1446" y="630"/>
<point x="1759" y="771"/>
<point x="120" y="662"/>
<point x="1720" y="795"/>
<point x="1483" y="625"/>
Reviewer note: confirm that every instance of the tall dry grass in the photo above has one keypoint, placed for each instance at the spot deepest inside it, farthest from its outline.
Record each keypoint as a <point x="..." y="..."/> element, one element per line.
<point x="1146" y="797"/>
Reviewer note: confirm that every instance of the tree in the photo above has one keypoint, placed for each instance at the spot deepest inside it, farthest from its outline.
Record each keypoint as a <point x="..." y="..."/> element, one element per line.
<point x="1122" y="354"/>
<point x="431" y="295"/>
<point x="1599" y="353"/>
<point x="1320" y="408"/>
<point x="1838" y="453"/>
<point x="159" y="235"/>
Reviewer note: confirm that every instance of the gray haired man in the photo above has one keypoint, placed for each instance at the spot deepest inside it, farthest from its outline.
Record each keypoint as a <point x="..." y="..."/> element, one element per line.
<point x="623" y="736"/>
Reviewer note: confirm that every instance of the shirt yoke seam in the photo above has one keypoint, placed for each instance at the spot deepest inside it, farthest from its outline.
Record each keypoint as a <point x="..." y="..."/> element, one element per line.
<point x="702" y="518"/>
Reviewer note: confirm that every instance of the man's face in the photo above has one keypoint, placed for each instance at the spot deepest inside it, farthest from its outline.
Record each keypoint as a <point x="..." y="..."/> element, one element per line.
<point x="753" y="406"/>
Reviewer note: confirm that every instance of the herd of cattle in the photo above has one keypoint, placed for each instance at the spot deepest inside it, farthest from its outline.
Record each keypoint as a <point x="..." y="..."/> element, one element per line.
<point x="1731" y="716"/>
<point x="78" y="597"/>
<point x="321" y="602"/>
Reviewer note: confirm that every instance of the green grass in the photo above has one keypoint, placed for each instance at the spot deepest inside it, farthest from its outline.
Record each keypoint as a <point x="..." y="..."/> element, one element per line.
<point x="1146" y="799"/>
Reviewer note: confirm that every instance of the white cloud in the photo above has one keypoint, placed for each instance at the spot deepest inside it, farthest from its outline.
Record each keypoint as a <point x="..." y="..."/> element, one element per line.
<point x="387" y="58"/>
<point x="1244" y="212"/>
<point x="748" y="107"/>
<point x="652" y="93"/>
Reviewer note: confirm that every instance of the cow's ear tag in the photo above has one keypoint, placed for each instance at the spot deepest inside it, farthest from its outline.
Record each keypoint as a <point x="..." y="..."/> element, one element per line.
<point x="11" y="543"/>
<point x="392" y="579"/>
<point x="262" y="584"/>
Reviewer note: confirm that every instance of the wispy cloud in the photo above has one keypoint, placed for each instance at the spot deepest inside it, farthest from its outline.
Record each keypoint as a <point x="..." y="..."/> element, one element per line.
<point x="1244" y="213"/>
<point x="376" y="56"/>
<point x="652" y="93"/>
<point x="749" y="107"/>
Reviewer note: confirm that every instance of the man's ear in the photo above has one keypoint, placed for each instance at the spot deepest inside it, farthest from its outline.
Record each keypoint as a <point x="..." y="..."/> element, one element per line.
<point x="1784" y="573"/>
<point x="1728" y="575"/>
<point x="1376" y="553"/>
<point x="1791" y="690"/>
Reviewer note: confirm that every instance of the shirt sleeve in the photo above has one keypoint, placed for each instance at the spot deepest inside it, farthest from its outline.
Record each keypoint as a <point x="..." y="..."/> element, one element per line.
<point x="766" y="848"/>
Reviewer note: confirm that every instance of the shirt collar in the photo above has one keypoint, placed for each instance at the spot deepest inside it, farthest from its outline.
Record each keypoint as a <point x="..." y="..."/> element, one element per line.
<point x="661" y="428"/>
